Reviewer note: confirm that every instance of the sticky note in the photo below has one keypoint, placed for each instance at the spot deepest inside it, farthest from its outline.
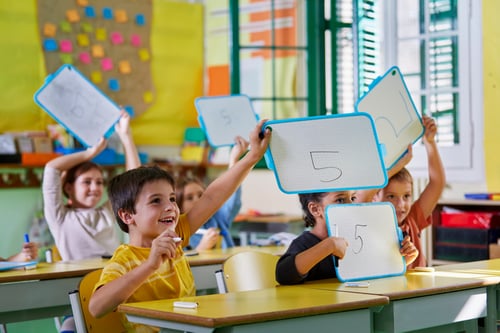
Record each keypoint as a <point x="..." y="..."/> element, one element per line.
<point x="116" y="38"/>
<point x="113" y="84"/>
<point x="82" y="3"/>
<point x="89" y="11"/>
<point x="144" y="54"/>
<point x="121" y="16"/>
<point x="72" y="16"/>
<point x="82" y="40"/>
<point x="100" y="34"/>
<point x="147" y="97"/>
<point x="66" y="58"/>
<point x="140" y="19"/>
<point x="130" y="110"/>
<point x="135" y="40"/>
<point x="84" y="58"/>
<point x="124" y="67"/>
<point x="86" y="27"/>
<point x="96" y="77"/>
<point x="49" y="29"/>
<point x="65" y="26"/>
<point x="106" y="64"/>
<point x="107" y="13"/>
<point x="50" y="44"/>
<point x="65" y="46"/>
<point x="97" y="51"/>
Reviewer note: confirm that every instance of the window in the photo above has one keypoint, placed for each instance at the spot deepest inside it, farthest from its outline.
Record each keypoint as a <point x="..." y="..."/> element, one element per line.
<point x="436" y="43"/>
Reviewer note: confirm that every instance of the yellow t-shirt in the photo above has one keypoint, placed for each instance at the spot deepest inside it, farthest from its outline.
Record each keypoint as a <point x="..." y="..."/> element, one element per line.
<point x="172" y="280"/>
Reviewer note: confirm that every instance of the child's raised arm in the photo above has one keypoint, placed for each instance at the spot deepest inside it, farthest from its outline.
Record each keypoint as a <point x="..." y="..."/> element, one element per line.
<point x="66" y="162"/>
<point x="240" y="147"/>
<point x="123" y="130"/>
<point x="221" y="188"/>
<point x="437" y="178"/>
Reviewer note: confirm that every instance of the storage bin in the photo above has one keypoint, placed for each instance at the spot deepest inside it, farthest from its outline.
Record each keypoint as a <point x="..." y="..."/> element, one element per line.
<point x="480" y="220"/>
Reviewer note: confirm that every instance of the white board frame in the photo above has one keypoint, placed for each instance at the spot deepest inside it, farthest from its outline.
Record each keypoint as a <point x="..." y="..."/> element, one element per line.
<point x="374" y="238"/>
<point x="396" y="117"/>
<point x="78" y="105"/>
<point x="225" y="117"/>
<point x="325" y="153"/>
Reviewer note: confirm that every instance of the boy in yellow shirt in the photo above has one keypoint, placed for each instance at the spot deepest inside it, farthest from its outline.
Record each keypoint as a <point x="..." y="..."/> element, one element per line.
<point x="152" y="265"/>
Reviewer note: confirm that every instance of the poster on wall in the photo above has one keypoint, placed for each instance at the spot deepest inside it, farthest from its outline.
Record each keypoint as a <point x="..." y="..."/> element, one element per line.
<point x="106" y="40"/>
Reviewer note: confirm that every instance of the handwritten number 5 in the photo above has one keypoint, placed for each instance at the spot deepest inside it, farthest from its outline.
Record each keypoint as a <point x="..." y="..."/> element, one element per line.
<point x="358" y="238"/>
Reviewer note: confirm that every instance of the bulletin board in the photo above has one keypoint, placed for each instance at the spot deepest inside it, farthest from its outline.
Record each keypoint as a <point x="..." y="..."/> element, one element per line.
<point x="325" y="153"/>
<point x="225" y="117"/>
<point x="372" y="231"/>
<point x="396" y="118"/>
<point x="108" y="41"/>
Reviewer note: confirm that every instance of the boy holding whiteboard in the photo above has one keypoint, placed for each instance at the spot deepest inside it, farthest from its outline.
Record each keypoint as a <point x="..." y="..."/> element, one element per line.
<point x="413" y="217"/>
<point x="311" y="255"/>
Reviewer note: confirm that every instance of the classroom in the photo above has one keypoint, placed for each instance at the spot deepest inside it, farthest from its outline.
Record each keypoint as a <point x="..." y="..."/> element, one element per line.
<point x="294" y="59"/>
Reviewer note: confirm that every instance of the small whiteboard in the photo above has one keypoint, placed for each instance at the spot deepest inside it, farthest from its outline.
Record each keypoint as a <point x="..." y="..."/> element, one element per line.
<point x="8" y="265"/>
<point x="325" y="153"/>
<point x="396" y="118"/>
<point x="74" y="102"/>
<point x="223" y="118"/>
<point x="374" y="238"/>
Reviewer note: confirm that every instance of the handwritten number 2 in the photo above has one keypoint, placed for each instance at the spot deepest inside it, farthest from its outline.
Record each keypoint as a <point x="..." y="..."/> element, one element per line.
<point x="358" y="238"/>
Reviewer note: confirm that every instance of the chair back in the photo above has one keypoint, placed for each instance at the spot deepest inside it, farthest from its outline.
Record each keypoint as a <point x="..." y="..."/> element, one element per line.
<point x="84" y="321"/>
<point x="250" y="270"/>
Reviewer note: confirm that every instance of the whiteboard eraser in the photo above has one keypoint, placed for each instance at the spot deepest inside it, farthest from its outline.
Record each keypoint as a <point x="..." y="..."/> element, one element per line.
<point x="357" y="284"/>
<point x="423" y="269"/>
<point x="185" y="305"/>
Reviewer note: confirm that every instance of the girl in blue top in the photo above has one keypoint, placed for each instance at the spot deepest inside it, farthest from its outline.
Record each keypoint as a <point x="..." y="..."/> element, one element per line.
<point x="190" y="190"/>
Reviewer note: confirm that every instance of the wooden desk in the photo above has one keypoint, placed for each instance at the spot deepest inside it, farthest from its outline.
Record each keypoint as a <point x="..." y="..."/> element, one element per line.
<point x="41" y="292"/>
<point x="281" y="309"/>
<point x="205" y="263"/>
<point x="249" y="226"/>
<point x="489" y="268"/>
<point x="425" y="301"/>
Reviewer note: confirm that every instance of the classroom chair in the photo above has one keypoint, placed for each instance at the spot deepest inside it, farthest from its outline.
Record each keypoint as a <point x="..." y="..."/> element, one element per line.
<point x="84" y="321"/>
<point x="249" y="270"/>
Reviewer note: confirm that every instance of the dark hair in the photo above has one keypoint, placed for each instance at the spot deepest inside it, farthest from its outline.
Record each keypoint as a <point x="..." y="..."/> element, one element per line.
<point x="403" y="175"/>
<point x="305" y="199"/>
<point x="124" y="188"/>
<point x="179" y="189"/>
<point x="73" y="173"/>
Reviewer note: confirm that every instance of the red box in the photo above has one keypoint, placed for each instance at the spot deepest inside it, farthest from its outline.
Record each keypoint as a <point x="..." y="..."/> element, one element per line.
<point x="477" y="220"/>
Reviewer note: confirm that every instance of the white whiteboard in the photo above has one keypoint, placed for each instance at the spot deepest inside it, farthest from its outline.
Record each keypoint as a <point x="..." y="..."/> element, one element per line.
<point x="396" y="118"/>
<point x="78" y="105"/>
<point x="325" y="153"/>
<point x="225" y="117"/>
<point x="374" y="240"/>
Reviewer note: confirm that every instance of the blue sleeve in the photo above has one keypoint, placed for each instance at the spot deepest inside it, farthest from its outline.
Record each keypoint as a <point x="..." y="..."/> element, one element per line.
<point x="226" y="214"/>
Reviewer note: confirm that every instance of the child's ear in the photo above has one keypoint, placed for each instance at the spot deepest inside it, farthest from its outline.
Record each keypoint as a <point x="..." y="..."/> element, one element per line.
<point x="315" y="209"/>
<point x="125" y="216"/>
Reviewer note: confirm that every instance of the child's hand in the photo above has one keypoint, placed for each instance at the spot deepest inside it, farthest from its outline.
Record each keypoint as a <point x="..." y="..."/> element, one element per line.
<point x="240" y="147"/>
<point x="99" y="147"/>
<point x="209" y="239"/>
<point x="122" y="127"/>
<point x="408" y="250"/>
<point x="339" y="246"/>
<point x="259" y="141"/>
<point x="29" y="252"/>
<point x="430" y="129"/>
<point x="163" y="248"/>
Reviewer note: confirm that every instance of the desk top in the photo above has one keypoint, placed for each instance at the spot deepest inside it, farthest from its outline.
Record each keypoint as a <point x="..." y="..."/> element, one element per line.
<point x="268" y="218"/>
<point x="218" y="256"/>
<point x="60" y="269"/>
<point x="487" y="267"/>
<point x="253" y="306"/>
<point x="412" y="284"/>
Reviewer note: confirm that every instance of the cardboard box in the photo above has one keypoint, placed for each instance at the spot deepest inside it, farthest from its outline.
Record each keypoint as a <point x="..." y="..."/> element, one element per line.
<point x="494" y="251"/>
